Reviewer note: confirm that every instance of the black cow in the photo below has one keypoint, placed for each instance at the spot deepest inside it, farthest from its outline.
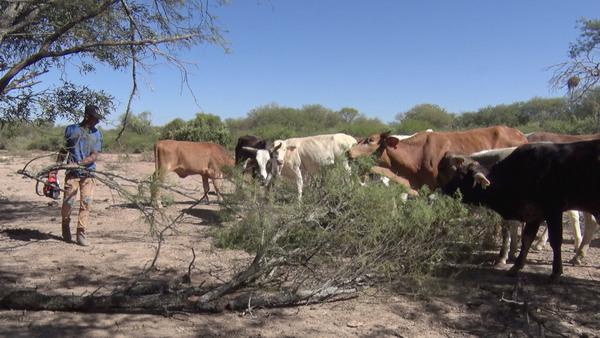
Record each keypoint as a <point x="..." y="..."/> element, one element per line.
<point x="536" y="182"/>
<point x="245" y="152"/>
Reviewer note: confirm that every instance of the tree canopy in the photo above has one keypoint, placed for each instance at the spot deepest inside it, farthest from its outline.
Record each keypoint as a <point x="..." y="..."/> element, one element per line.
<point x="203" y="128"/>
<point x="581" y="73"/>
<point x="39" y="36"/>
<point x="429" y="116"/>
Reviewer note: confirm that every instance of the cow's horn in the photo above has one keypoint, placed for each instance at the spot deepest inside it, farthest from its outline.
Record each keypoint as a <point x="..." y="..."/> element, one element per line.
<point x="250" y="149"/>
<point x="480" y="178"/>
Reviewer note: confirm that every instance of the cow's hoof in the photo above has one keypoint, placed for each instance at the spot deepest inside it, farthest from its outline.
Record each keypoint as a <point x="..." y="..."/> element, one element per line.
<point x="537" y="248"/>
<point x="512" y="272"/>
<point x="554" y="277"/>
<point x="500" y="262"/>
<point x="577" y="260"/>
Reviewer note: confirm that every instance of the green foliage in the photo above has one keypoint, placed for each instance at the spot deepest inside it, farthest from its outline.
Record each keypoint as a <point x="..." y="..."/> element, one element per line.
<point x="37" y="36"/>
<point x="47" y="142"/>
<point x="349" y="114"/>
<point x="437" y="117"/>
<point x="409" y="127"/>
<point x="203" y="128"/>
<point x="129" y="142"/>
<point x="588" y="40"/>
<point x="134" y="134"/>
<point x="172" y="127"/>
<point x="532" y="115"/>
<point x="273" y="122"/>
<point x="542" y="109"/>
<point x="363" y="127"/>
<point x="507" y="115"/>
<point x="139" y="124"/>
<point x="349" y="230"/>
<point x="581" y="73"/>
<point x="31" y="137"/>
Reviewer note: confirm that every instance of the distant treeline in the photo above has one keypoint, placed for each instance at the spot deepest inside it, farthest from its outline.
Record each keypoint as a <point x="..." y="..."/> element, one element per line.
<point x="137" y="134"/>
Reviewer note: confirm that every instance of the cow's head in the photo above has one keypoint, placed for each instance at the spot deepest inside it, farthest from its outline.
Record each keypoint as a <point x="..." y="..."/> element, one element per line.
<point x="457" y="172"/>
<point x="369" y="145"/>
<point x="265" y="163"/>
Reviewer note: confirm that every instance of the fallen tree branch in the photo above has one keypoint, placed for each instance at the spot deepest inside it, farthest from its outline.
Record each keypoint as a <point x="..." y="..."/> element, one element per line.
<point x="286" y="298"/>
<point x="161" y="303"/>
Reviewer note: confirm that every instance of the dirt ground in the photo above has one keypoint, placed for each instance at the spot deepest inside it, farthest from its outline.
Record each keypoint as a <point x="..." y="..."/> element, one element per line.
<point x="479" y="301"/>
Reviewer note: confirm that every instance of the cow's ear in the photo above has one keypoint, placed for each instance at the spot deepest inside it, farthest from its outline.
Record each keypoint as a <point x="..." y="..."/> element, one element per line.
<point x="457" y="160"/>
<point x="385" y="134"/>
<point x="391" y="142"/>
<point x="277" y="147"/>
<point x="481" y="179"/>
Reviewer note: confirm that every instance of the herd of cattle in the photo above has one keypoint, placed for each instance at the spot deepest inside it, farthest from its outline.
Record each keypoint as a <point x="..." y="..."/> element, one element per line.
<point x="530" y="178"/>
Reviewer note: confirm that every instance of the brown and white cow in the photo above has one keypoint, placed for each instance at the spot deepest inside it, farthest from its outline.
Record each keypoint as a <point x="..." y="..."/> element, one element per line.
<point x="299" y="156"/>
<point x="190" y="158"/>
<point x="416" y="158"/>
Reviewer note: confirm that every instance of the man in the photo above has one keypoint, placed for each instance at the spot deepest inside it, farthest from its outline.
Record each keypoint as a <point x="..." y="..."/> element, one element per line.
<point x="83" y="144"/>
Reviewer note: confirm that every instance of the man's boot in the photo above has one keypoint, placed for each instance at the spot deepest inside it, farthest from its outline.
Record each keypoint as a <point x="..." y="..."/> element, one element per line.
<point x="66" y="232"/>
<point x="81" y="238"/>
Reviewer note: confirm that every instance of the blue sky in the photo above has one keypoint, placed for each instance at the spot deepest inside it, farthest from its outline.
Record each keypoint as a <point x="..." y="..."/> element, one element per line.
<point x="381" y="57"/>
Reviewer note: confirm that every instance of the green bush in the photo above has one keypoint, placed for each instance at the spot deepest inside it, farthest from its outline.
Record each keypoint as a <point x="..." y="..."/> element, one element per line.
<point x="349" y="230"/>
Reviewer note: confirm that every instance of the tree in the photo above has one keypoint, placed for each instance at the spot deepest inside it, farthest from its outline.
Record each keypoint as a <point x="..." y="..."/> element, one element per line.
<point x="203" y="128"/>
<point x="139" y="124"/>
<point x="349" y="114"/>
<point x="273" y="121"/>
<point x="438" y="118"/>
<point x="38" y="36"/>
<point x="582" y="72"/>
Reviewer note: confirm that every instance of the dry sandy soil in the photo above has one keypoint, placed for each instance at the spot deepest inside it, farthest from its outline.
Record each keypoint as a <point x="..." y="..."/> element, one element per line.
<point x="34" y="257"/>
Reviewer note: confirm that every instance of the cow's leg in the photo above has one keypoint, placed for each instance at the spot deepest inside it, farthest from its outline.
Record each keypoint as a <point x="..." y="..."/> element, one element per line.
<point x="206" y="187"/>
<point x="159" y="179"/>
<point x="515" y="232"/>
<point x="510" y="241"/>
<point x="503" y="255"/>
<point x="590" y="226"/>
<point x="541" y="242"/>
<point x="393" y="177"/>
<point x="299" y="182"/>
<point x="527" y="238"/>
<point x="217" y="183"/>
<point x="573" y="216"/>
<point x="555" y="233"/>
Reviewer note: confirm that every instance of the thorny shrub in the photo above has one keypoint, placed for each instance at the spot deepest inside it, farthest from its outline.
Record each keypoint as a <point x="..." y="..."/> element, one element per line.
<point x="343" y="231"/>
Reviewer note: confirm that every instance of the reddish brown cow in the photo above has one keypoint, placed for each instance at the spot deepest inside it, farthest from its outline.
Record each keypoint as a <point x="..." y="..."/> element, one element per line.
<point x="416" y="158"/>
<point x="190" y="158"/>
<point x="543" y="136"/>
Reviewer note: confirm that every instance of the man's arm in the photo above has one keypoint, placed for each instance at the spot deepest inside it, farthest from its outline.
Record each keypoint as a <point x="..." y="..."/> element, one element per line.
<point x="90" y="159"/>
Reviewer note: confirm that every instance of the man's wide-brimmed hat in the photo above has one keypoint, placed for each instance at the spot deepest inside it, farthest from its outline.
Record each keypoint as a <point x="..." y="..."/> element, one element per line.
<point x="94" y="111"/>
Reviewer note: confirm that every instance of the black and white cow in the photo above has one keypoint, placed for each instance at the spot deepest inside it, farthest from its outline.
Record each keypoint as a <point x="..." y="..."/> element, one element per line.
<point x="536" y="182"/>
<point x="246" y="152"/>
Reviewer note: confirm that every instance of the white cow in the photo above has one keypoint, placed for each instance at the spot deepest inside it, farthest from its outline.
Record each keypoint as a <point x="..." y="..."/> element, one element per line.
<point x="296" y="157"/>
